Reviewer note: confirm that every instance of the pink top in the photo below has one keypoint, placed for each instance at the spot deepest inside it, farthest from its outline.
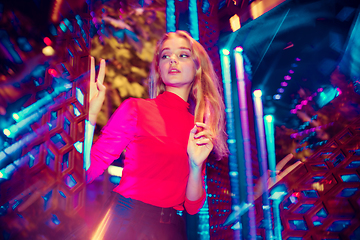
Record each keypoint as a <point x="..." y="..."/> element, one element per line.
<point x="155" y="134"/>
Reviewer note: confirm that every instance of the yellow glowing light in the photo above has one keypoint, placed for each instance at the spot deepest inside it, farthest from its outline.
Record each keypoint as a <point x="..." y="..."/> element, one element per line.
<point x="48" y="51"/>
<point x="225" y="52"/>
<point x="257" y="93"/>
<point x="259" y="7"/>
<point x="104" y="224"/>
<point x="15" y="116"/>
<point x="235" y="23"/>
<point x="115" y="170"/>
<point x="269" y="118"/>
<point x="7" y="132"/>
<point x="1" y="175"/>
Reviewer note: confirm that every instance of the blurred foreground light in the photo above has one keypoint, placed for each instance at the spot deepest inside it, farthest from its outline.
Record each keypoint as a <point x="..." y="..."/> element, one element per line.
<point x="277" y="96"/>
<point x="257" y="93"/>
<point x="7" y="132"/>
<point x="225" y="51"/>
<point x="115" y="170"/>
<point x="48" y="51"/>
<point x="269" y="118"/>
<point x="235" y="23"/>
<point x="239" y="49"/>
<point x="15" y="116"/>
<point x="47" y="41"/>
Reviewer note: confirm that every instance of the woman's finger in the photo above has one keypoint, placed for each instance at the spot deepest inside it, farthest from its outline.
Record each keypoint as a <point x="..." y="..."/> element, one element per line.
<point x="205" y="133"/>
<point x="101" y="75"/>
<point x="203" y="141"/>
<point x="92" y="69"/>
<point x="203" y="125"/>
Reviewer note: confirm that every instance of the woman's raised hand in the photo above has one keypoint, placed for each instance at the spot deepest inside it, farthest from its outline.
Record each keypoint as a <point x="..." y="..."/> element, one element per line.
<point x="199" y="145"/>
<point x="97" y="90"/>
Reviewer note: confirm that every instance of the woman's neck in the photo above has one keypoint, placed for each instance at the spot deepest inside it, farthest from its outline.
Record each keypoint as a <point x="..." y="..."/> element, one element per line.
<point x="181" y="92"/>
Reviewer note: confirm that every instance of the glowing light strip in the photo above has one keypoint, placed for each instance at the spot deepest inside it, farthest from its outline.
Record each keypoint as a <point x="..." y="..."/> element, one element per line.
<point x="263" y="162"/>
<point x="239" y="63"/>
<point x="193" y="19"/>
<point x="270" y="142"/>
<point x="41" y="102"/>
<point x="170" y="16"/>
<point x="230" y="127"/>
<point x="89" y="135"/>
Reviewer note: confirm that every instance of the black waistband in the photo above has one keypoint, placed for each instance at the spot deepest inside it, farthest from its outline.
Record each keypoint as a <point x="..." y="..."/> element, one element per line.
<point x="163" y="215"/>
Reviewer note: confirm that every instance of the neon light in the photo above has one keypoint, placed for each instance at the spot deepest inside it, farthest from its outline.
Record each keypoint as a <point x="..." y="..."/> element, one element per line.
<point x="235" y="23"/>
<point x="89" y="134"/>
<point x="170" y="16"/>
<point x="262" y="155"/>
<point x="225" y="52"/>
<point x="239" y="49"/>
<point x="7" y="132"/>
<point x="270" y="143"/>
<point x="241" y="84"/>
<point x="193" y="19"/>
<point x="257" y="93"/>
<point x="230" y="124"/>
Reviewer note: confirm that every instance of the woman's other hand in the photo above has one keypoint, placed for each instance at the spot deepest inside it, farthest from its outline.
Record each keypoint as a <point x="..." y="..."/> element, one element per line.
<point x="199" y="145"/>
<point x="97" y="90"/>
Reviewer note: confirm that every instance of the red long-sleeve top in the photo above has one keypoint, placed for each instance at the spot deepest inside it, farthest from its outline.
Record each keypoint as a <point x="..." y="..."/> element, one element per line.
<point x="155" y="134"/>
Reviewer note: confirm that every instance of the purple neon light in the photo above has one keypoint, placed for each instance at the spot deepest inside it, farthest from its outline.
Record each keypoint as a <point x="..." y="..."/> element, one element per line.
<point x="239" y="62"/>
<point x="287" y="77"/>
<point x="291" y="71"/>
<point x="283" y="84"/>
<point x="298" y="59"/>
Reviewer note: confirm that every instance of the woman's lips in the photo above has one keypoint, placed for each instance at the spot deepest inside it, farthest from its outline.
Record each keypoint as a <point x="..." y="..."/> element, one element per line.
<point x="174" y="71"/>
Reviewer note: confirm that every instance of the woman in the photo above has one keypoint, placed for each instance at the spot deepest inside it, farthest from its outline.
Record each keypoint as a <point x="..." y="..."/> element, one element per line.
<point x="165" y="151"/>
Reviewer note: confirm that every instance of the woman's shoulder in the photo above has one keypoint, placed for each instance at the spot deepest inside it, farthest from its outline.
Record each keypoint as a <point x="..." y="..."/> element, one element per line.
<point x="137" y="102"/>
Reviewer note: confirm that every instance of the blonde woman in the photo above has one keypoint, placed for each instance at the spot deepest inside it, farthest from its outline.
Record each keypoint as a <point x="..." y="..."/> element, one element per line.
<point x="167" y="140"/>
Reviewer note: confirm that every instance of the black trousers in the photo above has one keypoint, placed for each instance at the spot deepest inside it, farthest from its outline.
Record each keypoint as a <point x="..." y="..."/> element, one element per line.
<point x="129" y="219"/>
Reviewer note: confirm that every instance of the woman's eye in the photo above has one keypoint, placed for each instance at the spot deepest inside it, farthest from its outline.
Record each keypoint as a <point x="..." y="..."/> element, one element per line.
<point x="165" y="56"/>
<point x="184" y="55"/>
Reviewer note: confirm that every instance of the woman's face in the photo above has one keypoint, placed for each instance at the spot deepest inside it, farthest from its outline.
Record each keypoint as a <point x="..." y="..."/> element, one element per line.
<point x="177" y="68"/>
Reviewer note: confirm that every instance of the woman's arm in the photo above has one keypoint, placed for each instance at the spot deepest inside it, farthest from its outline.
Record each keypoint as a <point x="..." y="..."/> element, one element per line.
<point x="199" y="147"/>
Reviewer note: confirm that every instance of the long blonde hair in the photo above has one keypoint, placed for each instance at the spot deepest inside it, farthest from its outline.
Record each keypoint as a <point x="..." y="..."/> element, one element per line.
<point x="205" y="95"/>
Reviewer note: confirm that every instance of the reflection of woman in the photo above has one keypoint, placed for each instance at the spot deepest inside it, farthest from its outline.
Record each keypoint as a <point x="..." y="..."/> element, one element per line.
<point x="165" y="151"/>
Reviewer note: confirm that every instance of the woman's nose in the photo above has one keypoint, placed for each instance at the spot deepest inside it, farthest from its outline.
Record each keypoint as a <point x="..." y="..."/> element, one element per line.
<point x="173" y="60"/>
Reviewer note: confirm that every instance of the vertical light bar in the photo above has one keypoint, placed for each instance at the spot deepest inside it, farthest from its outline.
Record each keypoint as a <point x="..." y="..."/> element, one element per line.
<point x="170" y="16"/>
<point x="193" y="19"/>
<point x="270" y="143"/>
<point x="89" y="134"/>
<point x="262" y="155"/>
<point x="230" y="127"/>
<point x="239" y="63"/>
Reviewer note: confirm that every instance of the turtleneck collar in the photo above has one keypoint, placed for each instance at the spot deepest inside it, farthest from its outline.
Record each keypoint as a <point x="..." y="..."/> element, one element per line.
<point x="172" y="100"/>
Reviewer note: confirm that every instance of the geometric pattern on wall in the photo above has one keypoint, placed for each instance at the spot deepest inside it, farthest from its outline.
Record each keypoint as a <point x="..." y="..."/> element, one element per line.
<point x="323" y="194"/>
<point x="44" y="198"/>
